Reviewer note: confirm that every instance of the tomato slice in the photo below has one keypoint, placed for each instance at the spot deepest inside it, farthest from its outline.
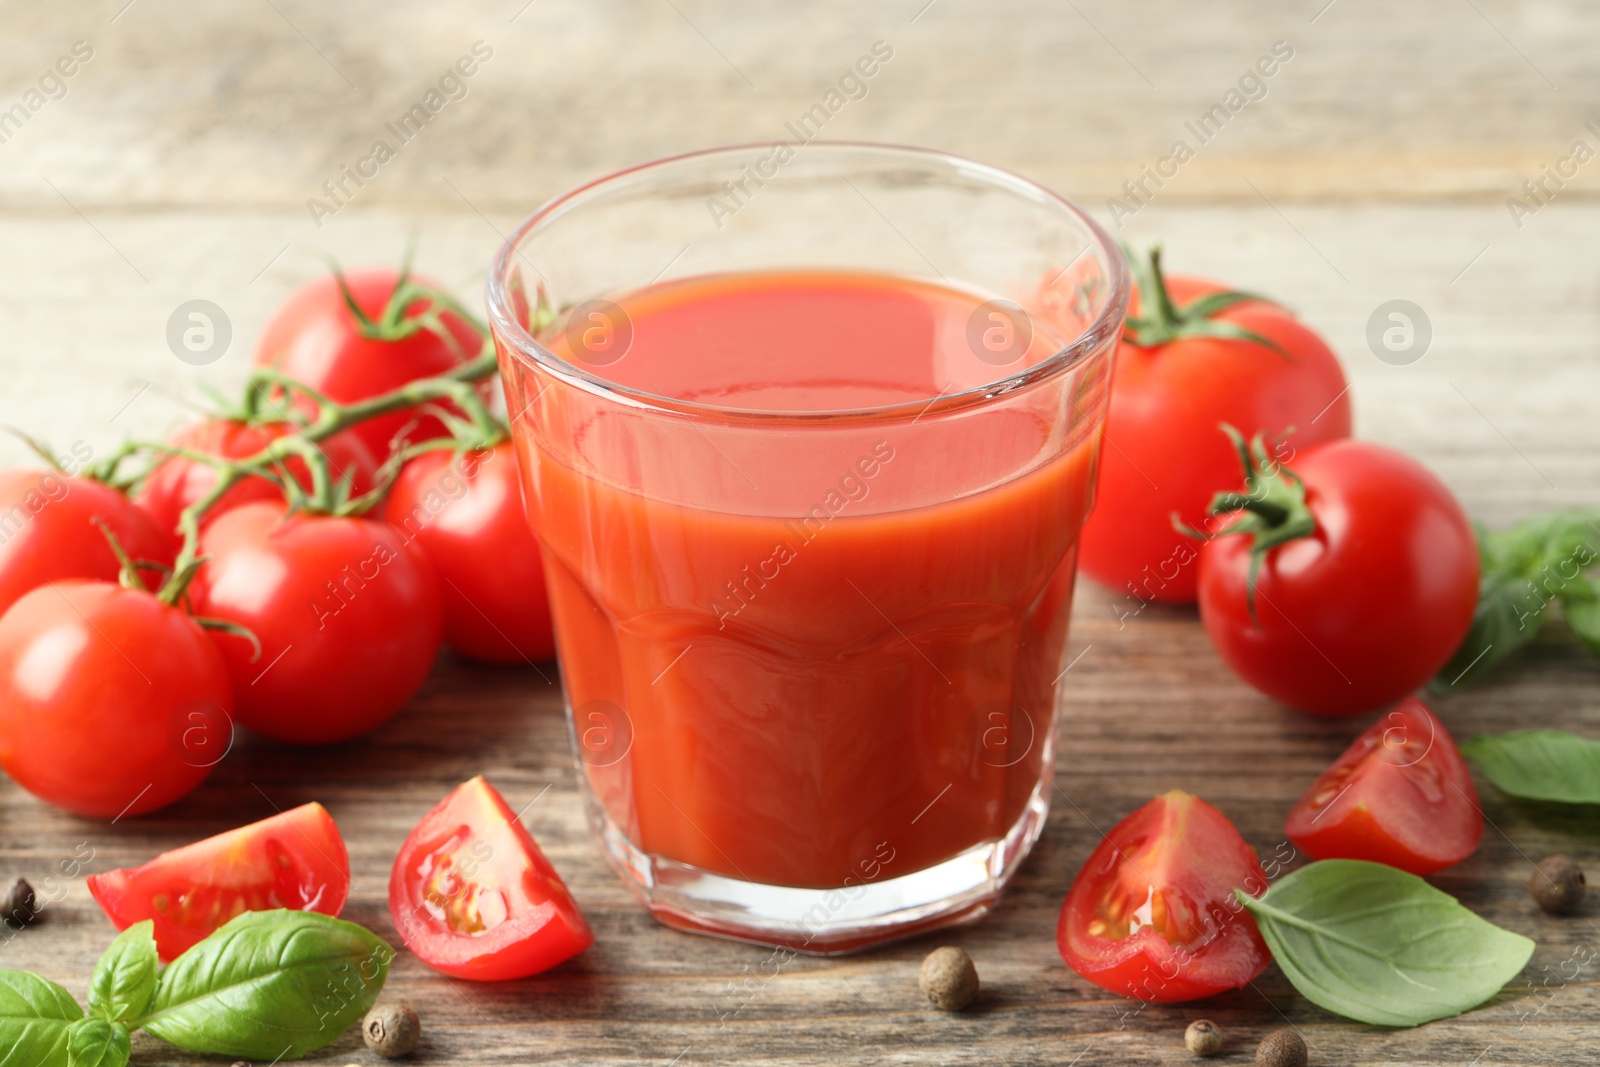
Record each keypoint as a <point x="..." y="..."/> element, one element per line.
<point x="472" y="895"/>
<point x="294" y="860"/>
<point x="1401" y="794"/>
<point x="1152" y="913"/>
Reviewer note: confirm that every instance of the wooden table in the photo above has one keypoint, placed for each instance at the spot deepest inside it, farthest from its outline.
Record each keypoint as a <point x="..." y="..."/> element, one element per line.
<point x="1377" y="166"/>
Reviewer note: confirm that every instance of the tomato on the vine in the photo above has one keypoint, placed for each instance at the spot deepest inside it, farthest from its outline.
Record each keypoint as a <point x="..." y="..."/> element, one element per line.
<point x="1348" y="581"/>
<point x="97" y="684"/>
<point x="466" y="513"/>
<point x="178" y="481"/>
<point x="48" y="532"/>
<point x="1401" y="794"/>
<point x="1194" y="355"/>
<point x="347" y="613"/>
<point x="472" y="895"/>
<point x="1153" y="915"/>
<point x="295" y="859"/>
<point x="315" y="338"/>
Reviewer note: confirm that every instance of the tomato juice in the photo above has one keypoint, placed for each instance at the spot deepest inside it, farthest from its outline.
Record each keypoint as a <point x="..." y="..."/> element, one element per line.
<point x="804" y="646"/>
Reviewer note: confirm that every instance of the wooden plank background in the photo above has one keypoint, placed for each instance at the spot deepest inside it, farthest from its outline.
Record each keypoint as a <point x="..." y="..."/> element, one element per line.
<point x="176" y="164"/>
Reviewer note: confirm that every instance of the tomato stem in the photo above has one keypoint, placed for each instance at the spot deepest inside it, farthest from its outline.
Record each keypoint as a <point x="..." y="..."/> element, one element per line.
<point x="1272" y="507"/>
<point x="1161" y="320"/>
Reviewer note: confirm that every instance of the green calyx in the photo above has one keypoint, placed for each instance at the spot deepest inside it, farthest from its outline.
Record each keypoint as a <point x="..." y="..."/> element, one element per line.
<point x="1161" y="320"/>
<point x="1272" y="506"/>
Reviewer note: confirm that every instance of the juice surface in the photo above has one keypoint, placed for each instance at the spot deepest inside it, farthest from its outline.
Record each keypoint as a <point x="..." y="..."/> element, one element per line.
<point x="820" y="657"/>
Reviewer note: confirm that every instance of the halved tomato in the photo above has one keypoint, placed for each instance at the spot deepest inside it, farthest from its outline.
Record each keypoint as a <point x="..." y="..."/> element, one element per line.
<point x="1401" y="794"/>
<point x="294" y="860"/>
<point x="472" y="895"/>
<point x="1152" y="914"/>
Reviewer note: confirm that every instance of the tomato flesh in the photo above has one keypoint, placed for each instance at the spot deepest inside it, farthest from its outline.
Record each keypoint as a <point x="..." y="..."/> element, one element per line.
<point x="472" y="895"/>
<point x="1401" y="794"/>
<point x="295" y="860"/>
<point x="1152" y="913"/>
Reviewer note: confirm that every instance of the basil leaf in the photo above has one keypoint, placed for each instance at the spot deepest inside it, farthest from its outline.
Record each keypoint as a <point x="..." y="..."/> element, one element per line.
<point x="125" y="978"/>
<point x="1524" y="568"/>
<point x="98" y="1043"/>
<point x="269" y="985"/>
<point x="1376" y="944"/>
<point x="1583" y="615"/>
<point x="34" y="1016"/>
<point x="1540" y="764"/>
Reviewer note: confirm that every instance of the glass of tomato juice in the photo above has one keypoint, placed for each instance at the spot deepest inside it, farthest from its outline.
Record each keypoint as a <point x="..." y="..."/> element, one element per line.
<point x="807" y="433"/>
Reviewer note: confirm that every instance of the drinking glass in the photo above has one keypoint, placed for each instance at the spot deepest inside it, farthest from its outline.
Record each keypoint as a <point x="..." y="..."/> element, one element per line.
<point x="812" y="657"/>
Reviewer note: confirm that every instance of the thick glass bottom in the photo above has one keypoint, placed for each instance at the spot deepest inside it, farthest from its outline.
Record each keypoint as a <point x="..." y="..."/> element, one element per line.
<point x="823" y="922"/>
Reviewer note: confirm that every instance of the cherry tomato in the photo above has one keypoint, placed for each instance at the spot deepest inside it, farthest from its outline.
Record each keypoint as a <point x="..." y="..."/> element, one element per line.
<point x="466" y="513"/>
<point x="1152" y="914"/>
<point x="177" y="481"/>
<point x="1401" y="794"/>
<point x="346" y="612"/>
<point x="47" y="531"/>
<point x="294" y="860"/>
<point x="314" y="338"/>
<point x="97" y="685"/>
<point x="1364" y="605"/>
<point x="1162" y="452"/>
<point x="472" y="895"/>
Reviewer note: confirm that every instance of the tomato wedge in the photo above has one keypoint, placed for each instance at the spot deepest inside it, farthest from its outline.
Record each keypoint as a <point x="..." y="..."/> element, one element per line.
<point x="1401" y="794"/>
<point x="472" y="895"/>
<point x="294" y="860"/>
<point x="1152" y="913"/>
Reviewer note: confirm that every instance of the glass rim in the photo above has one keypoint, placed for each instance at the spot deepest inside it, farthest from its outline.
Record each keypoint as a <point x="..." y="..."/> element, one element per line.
<point x="1108" y="323"/>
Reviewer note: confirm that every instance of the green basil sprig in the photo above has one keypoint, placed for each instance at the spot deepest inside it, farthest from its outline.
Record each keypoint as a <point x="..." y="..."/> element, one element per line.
<point x="1381" y="946"/>
<point x="1540" y="764"/>
<point x="1525" y="569"/>
<point x="268" y="985"/>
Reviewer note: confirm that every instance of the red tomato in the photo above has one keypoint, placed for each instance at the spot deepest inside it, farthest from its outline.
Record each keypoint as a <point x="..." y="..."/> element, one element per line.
<point x="472" y="895"/>
<point x="177" y="481"/>
<point x="1401" y="794"/>
<point x="1162" y="452"/>
<point x="294" y="860"/>
<point x="1359" y="610"/>
<point x="47" y="531"/>
<point x="314" y="338"/>
<point x="1152" y="914"/>
<point x="97" y="684"/>
<point x="467" y="515"/>
<point x="346" y="612"/>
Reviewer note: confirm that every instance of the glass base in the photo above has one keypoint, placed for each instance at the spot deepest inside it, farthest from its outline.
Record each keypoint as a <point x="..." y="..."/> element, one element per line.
<point x="823" y="922"/>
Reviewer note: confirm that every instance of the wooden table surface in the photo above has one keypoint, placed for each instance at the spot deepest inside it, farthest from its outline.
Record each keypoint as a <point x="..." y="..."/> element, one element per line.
<point x="176" y="164"/>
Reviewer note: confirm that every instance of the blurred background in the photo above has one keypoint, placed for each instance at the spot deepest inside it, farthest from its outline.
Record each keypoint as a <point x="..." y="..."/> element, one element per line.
<point x="1383" y="159"/>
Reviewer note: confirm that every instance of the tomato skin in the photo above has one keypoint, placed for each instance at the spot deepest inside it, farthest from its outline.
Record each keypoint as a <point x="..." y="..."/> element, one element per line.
<point x="1163" y="453"/>
<point x="177" y="481"/>
<point x="467" y="515"/>
<point x="295" y="859"/>
<point x="1365" y="610"/>
<point x="47" y="531"/>
<point x="313" y="338"/>
<point x="1190" y="856"/>
<point x="471" y="862"/>
<point x="92" y="676"/>
<point x="346" y="612"/>
<point x="1400" y="794"/>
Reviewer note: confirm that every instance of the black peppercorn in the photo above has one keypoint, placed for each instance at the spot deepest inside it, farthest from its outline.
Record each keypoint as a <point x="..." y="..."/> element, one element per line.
<point x="1203" y="1038"/>
<point x="16" y="907"/>
<point x="391" y="1029"/>
<point x="949" y="979"/>
<point x="1281" y="1048"/>
<point x="1558" y="884"/>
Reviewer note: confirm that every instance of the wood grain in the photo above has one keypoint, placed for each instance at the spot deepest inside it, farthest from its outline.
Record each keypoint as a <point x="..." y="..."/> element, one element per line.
<point x="1377" y="166"/>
